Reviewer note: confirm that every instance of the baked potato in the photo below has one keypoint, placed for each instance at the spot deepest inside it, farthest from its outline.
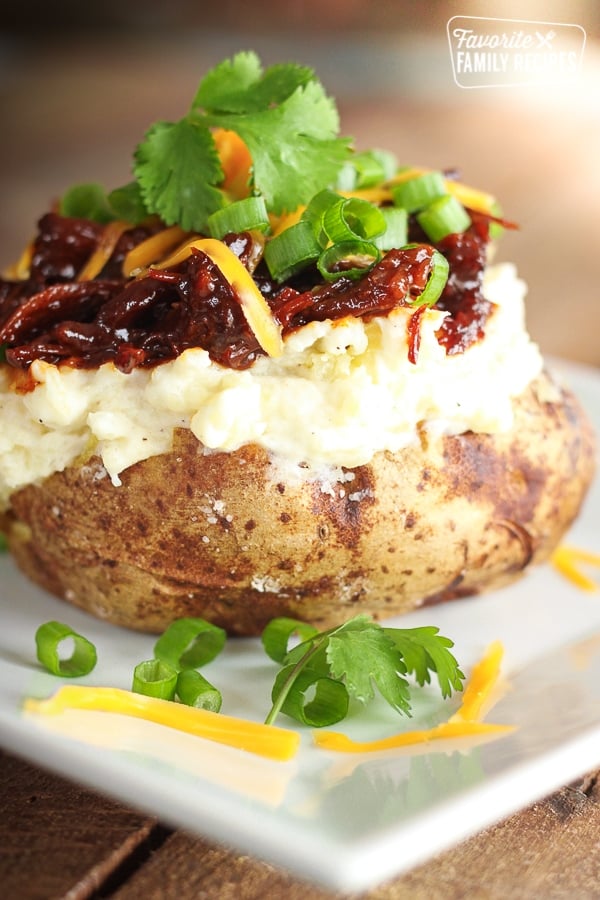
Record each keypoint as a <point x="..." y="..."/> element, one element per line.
<point x="217" y="535"/>
<point x="244" y="387"/>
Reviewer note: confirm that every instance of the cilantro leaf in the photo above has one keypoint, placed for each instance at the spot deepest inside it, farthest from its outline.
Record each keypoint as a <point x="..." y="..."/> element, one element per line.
<point x="225" y="88"/>
<point x="361" y="653"/>
<point x="239" y="85"/>
<point x="293" y="146"/>
<point x="127" y="203"/>
<point x="282" y="114"/>
<point x="177" y="168"/>
<point x="424" y="650"/>
<point x="87" y="201"/>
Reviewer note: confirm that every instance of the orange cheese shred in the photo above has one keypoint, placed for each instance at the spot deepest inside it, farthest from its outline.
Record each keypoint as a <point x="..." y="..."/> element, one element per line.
<point x="482" y="682"/>
<point x="466" y="722"/>
<point x="332" y="740"/>
<point x="19" y="270"/>
<point x="567" y="561"/>
<point x="104" y="250"/>
<point x="254" y="306"/>
<point x="269" y="741"/>
<point x="152" y="249"/>
<point x="236" y="162"/>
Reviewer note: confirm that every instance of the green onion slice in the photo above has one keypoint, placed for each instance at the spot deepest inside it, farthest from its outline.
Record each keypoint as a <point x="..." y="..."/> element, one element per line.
<point x="347" y="178"/>
<point x="194" y="690"/>
<point x="292" y="250"/>
<point x="436" y="281"/>
<point x="351" y="259"/>
<point x="442" y="217"/>
<point x="189" y="643"/>
<point x="352" y="218"/>
<point x="249" y="214"/>
<point x="277" y="633"/>
<point x="48" y="640"/>
<point x="374" y="167"/>
<point x="418" y="192"/>
<point x="309" y="697"/>
<point x="396" y="229"/>
<point x="316" y="209"/>
<point x="155" y="678"/>
<point x="365" y="169"/>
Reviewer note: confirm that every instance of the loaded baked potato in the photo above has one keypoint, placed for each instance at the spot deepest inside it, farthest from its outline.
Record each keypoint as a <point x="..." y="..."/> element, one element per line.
<point x="200" y="421"/>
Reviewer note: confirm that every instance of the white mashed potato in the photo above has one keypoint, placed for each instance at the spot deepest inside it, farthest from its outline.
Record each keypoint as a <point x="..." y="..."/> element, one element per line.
<point x="341" y="392"/>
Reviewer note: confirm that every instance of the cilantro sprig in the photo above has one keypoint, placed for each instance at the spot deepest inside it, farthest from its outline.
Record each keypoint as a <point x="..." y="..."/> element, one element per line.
<point x="282" y="114"/>
<point x="321" y="674"/>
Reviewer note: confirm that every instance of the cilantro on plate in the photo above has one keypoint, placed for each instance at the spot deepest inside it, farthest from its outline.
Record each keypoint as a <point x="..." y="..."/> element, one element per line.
<point x="321" y="674"/>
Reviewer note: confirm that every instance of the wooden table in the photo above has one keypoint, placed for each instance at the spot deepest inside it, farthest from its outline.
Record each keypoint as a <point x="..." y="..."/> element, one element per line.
<point x="58" y="840"/>
<point x="75" y="113"/>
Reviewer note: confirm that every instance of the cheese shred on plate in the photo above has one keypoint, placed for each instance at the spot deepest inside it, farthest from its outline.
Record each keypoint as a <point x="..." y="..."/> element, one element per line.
<point x="270" y="741"/>
<point x="466" y="721"/>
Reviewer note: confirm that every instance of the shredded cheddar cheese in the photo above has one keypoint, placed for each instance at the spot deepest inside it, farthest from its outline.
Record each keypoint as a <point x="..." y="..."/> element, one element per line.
<point x="567" y="560"/>
<point x="152" y="249"/>
<point x="332" y="740"/>
<point x="466" y="721"/>
<point x="280" y="223"/>
<point x="254" y="306"/>
<point x="104" y="250"/>
<point x="19" y="270"/>
<point x="481" y="684"/>
<point x="264" y="740"/>
<point x="236" y="162"/>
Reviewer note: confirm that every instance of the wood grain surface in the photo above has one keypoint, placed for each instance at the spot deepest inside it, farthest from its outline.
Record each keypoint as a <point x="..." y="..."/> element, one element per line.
<point x="59" y="841"/>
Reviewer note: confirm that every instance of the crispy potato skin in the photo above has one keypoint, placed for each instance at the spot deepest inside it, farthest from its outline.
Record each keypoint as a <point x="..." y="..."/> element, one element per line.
<point x="220" y="535"/>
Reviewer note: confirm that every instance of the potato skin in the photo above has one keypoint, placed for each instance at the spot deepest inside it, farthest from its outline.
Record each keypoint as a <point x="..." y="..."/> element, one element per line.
<point x="220" y="535"/>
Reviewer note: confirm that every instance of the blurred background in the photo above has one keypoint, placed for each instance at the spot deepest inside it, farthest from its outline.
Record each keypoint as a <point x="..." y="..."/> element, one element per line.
<point x="81" y="82"/>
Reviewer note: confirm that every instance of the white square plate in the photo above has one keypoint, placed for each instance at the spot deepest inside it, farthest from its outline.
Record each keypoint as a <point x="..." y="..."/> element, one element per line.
<point x="345" y="821"/>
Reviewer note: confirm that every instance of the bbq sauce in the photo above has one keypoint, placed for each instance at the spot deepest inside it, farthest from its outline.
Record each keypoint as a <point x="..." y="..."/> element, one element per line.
<point x="152" y="318"/>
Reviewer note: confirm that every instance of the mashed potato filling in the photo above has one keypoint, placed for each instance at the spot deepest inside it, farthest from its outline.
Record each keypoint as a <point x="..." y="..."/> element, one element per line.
<point x="341" y="392"/>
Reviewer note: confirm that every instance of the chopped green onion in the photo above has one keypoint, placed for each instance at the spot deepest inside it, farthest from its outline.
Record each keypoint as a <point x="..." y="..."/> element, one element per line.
<point x="373" y="167"/>
<point x="189" y="643"/>
<point x="292" y="250"/>
<point x="366" y="169"/>
<point x="194" y="690"/>
<point x="442" y="217"/>
<point x="396" y="229"/>
<point x="352" y="218"/>
<point x="48" y="639"/>
<point x="155" y="678"/>
<point x="249" y="214"/>
<point x="347" y="178"/>
<point x="436" y="281"/>
<point x="315" y="211"/>
<point x="496" y="229"/>
<point x="418" y="192"/>
<point x="309" y="697"/>
<point x="351" y="259"/>
<point x="277" y="633"/>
